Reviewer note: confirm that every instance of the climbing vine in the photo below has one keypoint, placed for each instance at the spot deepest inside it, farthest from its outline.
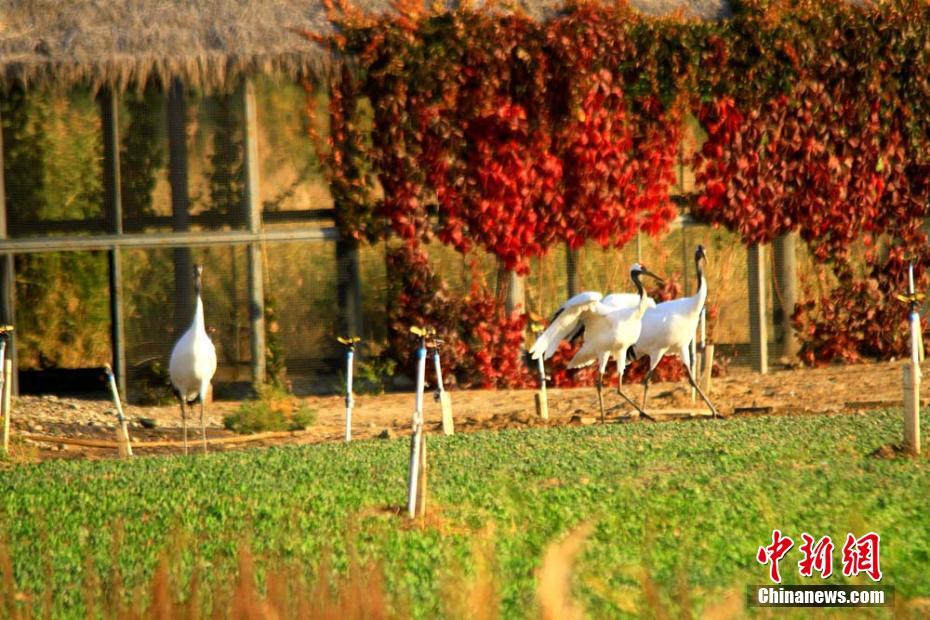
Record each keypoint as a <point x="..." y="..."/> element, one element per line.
<point x="491" y="130"/>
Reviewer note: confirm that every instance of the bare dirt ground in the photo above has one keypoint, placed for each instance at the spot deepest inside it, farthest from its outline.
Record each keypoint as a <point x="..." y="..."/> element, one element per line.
<point x="799" y="391"/>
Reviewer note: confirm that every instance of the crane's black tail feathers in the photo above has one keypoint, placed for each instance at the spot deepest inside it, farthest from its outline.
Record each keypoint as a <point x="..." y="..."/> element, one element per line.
<point x="177" y="395"/>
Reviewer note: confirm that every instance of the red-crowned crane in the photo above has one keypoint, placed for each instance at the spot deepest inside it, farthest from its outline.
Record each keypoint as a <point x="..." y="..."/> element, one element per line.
<point x="193" y="363"/>
<point x="608" y="330"/>
<point x="670" y="327"/>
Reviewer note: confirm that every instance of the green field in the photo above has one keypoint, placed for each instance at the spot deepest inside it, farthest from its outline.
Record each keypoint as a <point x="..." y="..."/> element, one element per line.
<point x="686" y="503"/>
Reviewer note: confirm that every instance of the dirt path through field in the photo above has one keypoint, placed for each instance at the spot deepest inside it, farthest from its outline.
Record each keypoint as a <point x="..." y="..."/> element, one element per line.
<point x="822" y="390"/>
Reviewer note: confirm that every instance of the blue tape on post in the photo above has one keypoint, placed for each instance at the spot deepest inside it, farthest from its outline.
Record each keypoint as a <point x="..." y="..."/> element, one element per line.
<point x="421" y="353"/>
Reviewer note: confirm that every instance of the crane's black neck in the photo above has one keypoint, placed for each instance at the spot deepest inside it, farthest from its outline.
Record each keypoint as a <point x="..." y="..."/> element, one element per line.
<point x="699" y="269"/>
<point x="639" y="285"/>
<point x="197" y="284"/>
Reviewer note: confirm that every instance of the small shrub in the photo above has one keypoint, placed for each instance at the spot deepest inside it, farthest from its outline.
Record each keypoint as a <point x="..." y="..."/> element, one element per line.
<point x="273" y="409"/>
<point x="373" y="376"/>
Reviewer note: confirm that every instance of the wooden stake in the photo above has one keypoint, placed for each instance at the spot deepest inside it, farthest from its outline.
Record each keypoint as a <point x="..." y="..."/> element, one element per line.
<point x="542" y="399"/>
<point x="445" y="401"/>
<point x="695" y="366"/>
<point x="122" y="430"/>
<point x="707" y="369"/>
<point x="912" y="409"/>
<point x="542" y="405"/>
<point x="758" y="326"/>
<point x="697" y="370"/>
<point x="144" y="445"/>
<point x="7" y="402"/>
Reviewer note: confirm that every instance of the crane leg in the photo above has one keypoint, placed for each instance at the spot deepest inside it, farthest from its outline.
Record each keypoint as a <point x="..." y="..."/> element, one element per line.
<point x="621" y="366"/>
<point x="600" y="395"/>
<point x="646" y="386"/>
<point x="184" y="424"/>
<point x="635" y="406"/>
<point x="203" y="426"/>
<point x="694" y="384"/>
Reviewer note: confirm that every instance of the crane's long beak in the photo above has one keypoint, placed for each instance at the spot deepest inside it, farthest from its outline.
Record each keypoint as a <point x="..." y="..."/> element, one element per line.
<point x="649" y="273"/>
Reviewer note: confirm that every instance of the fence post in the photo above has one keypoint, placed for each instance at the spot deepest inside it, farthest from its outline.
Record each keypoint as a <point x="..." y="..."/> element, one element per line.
<point x="786" y="292"/>
<point x="253" y="211"/>
<point x="348" y="287"/>
<point x="180" y="204"/>
<point x="758" y="336"/>
<point x="113" y="207"/>
<point x="516" y="293"/>
<point x="571" y="270"/>
<point x="7" y="280"/>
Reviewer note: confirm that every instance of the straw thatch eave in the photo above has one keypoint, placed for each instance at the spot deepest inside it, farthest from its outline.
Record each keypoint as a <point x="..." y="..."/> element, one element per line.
<point x="208" y="44"/>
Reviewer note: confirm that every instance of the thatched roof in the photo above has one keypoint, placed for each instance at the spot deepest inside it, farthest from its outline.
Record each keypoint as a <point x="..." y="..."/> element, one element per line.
<point x="206" y="43"/>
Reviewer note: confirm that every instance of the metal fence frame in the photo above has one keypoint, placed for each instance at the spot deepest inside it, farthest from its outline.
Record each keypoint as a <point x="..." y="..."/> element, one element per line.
<point x="117" y="239"/>
<point x="253" y="236"/>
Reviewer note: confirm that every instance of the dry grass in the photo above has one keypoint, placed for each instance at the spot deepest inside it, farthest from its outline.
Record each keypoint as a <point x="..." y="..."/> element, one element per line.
<point x="554" y="578"/>
<point x="207" y="43"/>
<point x="287" y="593"/>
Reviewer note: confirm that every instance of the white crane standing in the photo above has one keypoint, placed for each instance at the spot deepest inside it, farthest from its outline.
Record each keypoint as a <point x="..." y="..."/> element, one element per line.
<point x="670" y="327"/>
<point x="193" y="363"/>
<point x="608" y="330"/>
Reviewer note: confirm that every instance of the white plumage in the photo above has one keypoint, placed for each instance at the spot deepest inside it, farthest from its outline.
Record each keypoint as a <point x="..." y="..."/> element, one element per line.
<point x="669" y="328"/>
<point x="193" y="363"/>
<point x="609" y="330"/>
<point x="627" y="300"/>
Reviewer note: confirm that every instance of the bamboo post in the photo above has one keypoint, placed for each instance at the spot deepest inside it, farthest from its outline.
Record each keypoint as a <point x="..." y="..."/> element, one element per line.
<point x="350" y="364"/>
<point x="445" y="401"/>
<point x="416" y="437"/>
<point x="912" y="408"/>
<point x="122" y="431"/>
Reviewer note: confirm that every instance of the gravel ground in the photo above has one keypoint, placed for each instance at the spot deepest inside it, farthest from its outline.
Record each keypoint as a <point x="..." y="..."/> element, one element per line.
<point x="797" y="391"/>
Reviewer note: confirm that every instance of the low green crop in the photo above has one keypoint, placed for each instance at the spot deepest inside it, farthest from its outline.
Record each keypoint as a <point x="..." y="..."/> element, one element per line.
<point x="688" y="502"/>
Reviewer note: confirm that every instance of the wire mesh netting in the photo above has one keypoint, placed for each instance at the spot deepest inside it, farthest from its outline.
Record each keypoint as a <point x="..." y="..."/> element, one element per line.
<point x="53" y="164"/>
